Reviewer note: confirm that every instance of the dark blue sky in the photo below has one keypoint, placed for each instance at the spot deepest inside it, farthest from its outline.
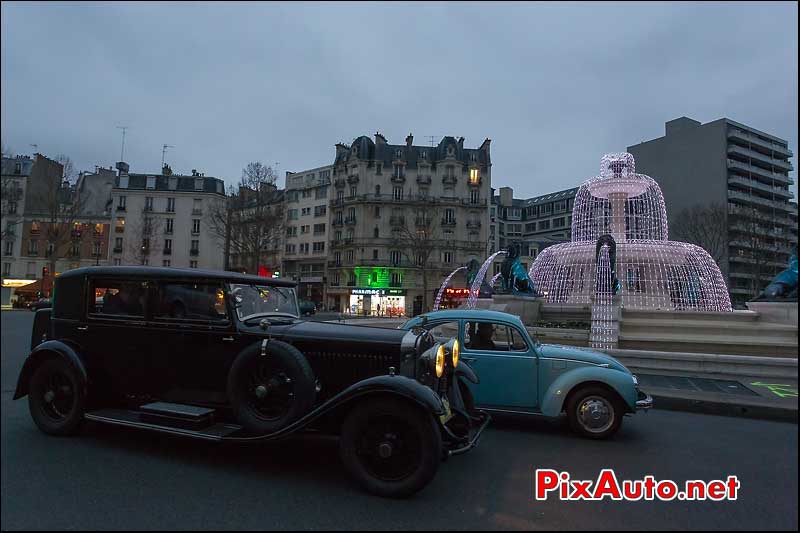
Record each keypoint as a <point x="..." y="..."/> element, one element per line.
<point x="554" y="85"/>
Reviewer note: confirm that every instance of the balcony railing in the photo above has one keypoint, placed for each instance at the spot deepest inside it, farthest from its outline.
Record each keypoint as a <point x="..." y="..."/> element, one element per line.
<point x="350" y="221"/>
<point x="422" y="222"/>
<point x="473" y="224"/>
<point x="764" y="173"/>
<point x="754" y="139"/>
<point x="398" y="179"/>
<point x="751" y="198"/>
<point x="423" y="180"/>
<point x="120" y="208"/>
<point x="449" y="180"/>
<point x="118" y="249"/>
<point x="448" y="222"/>
<point x="352" y="179"/>
<point x="197" y="211"/>
<point x="194" y="252"/>
<point x="167" y="251"/>
<point x="755" y="184"/>
<point x="337" y="223"/>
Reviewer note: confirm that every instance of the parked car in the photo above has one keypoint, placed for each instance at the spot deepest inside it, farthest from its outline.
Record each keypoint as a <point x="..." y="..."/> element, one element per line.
<point x="518" y="374"/>
<point x="41" y="303"/>
<point x="237" y="364"/>
<point x="307" y="307"/>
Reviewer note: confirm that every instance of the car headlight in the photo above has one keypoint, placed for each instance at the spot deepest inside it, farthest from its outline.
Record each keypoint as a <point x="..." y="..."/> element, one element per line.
<point x="439" y="361"/>
<point x="452" y="347"/>
<point x="635" y="380"/>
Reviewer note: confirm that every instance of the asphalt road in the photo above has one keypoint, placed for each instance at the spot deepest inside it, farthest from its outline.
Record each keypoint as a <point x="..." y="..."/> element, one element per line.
<point x="110" y="478"/>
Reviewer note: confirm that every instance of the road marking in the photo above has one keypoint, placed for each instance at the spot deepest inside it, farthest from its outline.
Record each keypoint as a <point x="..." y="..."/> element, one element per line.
<point x="778" y="389"/>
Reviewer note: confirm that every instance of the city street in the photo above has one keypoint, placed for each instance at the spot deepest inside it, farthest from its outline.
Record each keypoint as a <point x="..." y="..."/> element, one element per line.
<point x="109" y="478"/>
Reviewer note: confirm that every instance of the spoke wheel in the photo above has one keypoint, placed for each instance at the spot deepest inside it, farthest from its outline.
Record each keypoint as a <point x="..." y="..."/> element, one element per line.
<point x="56" y="397"/>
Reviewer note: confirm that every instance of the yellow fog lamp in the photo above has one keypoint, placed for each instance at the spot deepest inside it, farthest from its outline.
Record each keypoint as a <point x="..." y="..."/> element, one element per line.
<point x="439" y="361"/>
<point x="454" y="349"/>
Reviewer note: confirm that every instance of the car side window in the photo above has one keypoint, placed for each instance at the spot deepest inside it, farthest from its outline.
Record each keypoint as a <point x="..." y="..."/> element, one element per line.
<point x="118" y="298"/>
<point x="491" y="336"/>
<point x="190" y="302"/>
<point x="443" y="331"/>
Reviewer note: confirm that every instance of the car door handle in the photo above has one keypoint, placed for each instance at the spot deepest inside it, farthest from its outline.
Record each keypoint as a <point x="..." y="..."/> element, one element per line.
<point x="468" y="359"/>
<point x="227" y="339"/>
<point x="83" y="328"/>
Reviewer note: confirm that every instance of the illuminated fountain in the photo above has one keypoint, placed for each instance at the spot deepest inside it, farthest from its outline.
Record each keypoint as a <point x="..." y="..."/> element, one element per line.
<point x="445" y="283"/>
<point x="626" y="211"/>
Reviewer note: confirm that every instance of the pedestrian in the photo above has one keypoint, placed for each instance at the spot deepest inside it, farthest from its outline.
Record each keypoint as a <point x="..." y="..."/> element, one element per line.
<point x="378" y="307"/>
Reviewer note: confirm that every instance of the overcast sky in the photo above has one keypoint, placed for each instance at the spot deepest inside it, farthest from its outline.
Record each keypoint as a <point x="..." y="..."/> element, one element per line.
<point x="553" y="85"/>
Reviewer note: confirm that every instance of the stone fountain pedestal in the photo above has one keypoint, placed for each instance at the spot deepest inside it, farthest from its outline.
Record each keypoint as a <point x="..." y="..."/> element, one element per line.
<point x="527" y="308"/>
<point x="776" y="312"/>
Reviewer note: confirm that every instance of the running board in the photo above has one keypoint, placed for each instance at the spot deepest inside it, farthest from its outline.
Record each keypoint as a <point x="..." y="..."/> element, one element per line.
<point x="134" y="419"/>
<point x="177" y="415"/>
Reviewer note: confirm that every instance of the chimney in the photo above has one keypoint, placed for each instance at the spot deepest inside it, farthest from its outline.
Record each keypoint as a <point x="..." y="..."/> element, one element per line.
<point x="409" y="140"/>
<point x="166" y="171"/>
<point x="461" y="143"/>
<point x="379" y="139"/>
<point x="194" y="172"/>
<point x="123" y="168"/>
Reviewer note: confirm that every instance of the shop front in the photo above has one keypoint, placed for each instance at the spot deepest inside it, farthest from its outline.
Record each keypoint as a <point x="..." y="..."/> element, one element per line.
<point x="377" y="302"/>
<point x="10" y="292"/>
<point x="453" y="298"/>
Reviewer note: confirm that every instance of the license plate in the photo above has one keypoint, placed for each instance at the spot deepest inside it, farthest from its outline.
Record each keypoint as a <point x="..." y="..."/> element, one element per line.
<point x="448" y="414"/>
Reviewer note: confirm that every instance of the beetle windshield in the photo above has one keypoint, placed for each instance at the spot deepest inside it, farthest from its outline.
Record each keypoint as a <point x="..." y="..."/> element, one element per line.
<point x="262" y="300"/>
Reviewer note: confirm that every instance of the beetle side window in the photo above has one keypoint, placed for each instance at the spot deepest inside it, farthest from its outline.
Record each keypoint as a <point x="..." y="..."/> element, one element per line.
<point x="443" y="331"/>
<point x="118" y="298"/>
<point x="489" y="336"/>
<point x="192" y="302"/>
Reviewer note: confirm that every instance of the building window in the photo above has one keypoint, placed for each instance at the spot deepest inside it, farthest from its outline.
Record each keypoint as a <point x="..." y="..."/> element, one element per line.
<point x="196" y="226"/>
<point x="35" y="228"/>
<point x="353" y="191"/>
<point x="306" y="211"/>
<point x="320" y="211"/>
<point x="170" y="205"/>
<point x="397" y="279"/>
<point x="97" y="248"/>
<point x="167" y="246"/>
<point x="375" y="254"/>
<point x="474" y="176"/>
<point x="376" y="233"/>
<point x="9" y="247"/>
<point x="394" y="257"/>
<point x="350" y="256"/>
<point x="33" y="247"/>
<point x="397" y="193"/>
<point x="12" y="208"/>
<point x="198" y="184"/>
<point x="292" y="214"/>
<point x="117" y="261"/>
<point x="474" y="196"/>
<point x="166" y="263"/>
<point x="122" y="203"/>
<point x="377" y="211"/>
<point x="319" y="247"/>
<point x="192" y="264"/>
<point x="170" y="224"/>
<point x="447" y="257"/>
<point x="337" y="257"/>
<point x="449" y="216"/>
<point x="118" y="244"/>
<point x="148" y="203"/>
<point x="6" y="269"/>
<point x="119" y="226"/>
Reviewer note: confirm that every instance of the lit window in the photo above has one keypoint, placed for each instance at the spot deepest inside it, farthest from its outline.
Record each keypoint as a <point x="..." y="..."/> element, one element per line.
<point x="474" y="176"/>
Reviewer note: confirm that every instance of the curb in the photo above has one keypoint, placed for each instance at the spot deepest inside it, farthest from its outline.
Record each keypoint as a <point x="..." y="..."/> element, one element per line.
<point x="721" y="408"/>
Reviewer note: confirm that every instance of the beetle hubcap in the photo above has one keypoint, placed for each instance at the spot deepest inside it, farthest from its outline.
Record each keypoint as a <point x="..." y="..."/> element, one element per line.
<point x="596" y="414"/>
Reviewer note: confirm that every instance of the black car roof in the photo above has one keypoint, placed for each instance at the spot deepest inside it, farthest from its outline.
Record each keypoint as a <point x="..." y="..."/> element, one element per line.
<point x="173" y="273"/>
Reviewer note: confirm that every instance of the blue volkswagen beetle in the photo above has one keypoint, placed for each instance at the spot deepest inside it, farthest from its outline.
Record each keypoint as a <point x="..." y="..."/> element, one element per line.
<point x="520" y="375"/>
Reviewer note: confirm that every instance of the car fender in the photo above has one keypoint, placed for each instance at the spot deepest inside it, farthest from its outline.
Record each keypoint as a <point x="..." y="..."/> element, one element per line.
<point x="463" y="370"/>
<point x="552" y="401"/>
<point x="408" y="388"/>
<point x="40" y="353"/>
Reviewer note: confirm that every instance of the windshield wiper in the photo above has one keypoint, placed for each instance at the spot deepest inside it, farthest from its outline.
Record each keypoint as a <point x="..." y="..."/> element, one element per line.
<point x="277" y="314"/>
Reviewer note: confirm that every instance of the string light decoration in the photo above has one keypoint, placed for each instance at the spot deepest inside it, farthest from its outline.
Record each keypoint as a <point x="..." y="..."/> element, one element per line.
<point x="654" y="272"/>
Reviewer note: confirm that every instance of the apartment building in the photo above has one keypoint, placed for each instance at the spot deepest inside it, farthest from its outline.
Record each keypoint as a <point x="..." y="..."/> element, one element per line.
<point x="741" y="168"/>
<point x="404" y="216"/>
<point x="163" y="219"/>
<point x="307" y="231"/>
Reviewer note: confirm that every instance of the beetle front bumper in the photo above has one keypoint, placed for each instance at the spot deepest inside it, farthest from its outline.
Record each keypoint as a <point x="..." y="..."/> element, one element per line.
<point x="644" y="401"/>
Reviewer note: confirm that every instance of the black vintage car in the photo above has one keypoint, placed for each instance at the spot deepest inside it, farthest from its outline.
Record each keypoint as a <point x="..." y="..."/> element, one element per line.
<point x="224" y="357"/>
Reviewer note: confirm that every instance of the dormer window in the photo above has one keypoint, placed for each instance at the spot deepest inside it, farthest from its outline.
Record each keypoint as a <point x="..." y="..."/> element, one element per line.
<point x="198" y="184"/>
<point x="151" y="182"/>
<point x="423" y="155"/>
<point x="398" y="154"/>
<point x="474" y="156"/>
<point x="450" y="150"/>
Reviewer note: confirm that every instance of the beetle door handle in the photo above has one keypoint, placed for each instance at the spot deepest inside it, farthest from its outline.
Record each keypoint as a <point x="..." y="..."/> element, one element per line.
<point x="468" y="359"/>
<point x="83" y="328"/>
<point x="227" y="339"/>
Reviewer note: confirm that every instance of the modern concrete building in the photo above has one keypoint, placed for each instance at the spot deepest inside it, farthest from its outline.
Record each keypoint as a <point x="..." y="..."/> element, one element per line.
<point x="162" y="219"/>
<point x="307" y="227"/>
<point x="741" y="168"/>
<point x="402" y="218"/>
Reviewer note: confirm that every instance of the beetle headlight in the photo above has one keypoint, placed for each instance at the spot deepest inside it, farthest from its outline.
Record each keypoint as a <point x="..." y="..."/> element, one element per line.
<point x="452" y="347"/>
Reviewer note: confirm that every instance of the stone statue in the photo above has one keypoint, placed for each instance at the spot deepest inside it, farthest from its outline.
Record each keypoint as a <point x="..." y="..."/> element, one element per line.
<point x="784" y="286"/>
<point x="473" y="267"/>
<point x="513" y="277"/>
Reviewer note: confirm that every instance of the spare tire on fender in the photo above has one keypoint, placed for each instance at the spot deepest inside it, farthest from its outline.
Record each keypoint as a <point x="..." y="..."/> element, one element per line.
<point x="269" y="391"/>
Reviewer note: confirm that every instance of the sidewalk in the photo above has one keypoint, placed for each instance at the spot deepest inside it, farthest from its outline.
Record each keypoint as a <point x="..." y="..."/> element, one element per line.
<point x="723" y="395"/>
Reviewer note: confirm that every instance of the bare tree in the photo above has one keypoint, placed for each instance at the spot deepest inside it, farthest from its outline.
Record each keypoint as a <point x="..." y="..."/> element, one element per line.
<point x="59" y="206"/>
<point x="703" y="225"/>
<point x="755" y="240"/>
<point x="144" y="238"/>
<point x="418" y="241"/>
<point x="251" y="221"/>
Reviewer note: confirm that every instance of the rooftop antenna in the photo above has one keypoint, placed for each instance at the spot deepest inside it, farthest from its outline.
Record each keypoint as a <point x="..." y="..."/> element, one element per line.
<point x="122" y="152"/>
<point x="163" y="153"/>
<point x="431" y="139"/>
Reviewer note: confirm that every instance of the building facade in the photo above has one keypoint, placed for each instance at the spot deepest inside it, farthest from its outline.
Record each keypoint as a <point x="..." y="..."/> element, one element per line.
<point x="404" y="216"/>
<point x="741" y="168"/>
<point x="50" y="225"/>
<point x="307" y="231"/>
<point x="162" y="220"/>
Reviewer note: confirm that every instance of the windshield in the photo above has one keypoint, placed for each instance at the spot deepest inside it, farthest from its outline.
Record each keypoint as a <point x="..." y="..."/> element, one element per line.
<point x="262" y="300"/>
